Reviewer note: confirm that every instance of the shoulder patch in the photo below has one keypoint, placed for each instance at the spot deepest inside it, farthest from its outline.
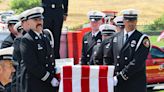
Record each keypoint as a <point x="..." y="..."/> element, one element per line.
<point x="146" y="42"/>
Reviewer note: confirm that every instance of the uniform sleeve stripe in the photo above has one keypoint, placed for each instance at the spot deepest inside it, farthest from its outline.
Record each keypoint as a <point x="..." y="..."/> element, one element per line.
<point x="123" y="76"/>
<point x="140" y="40"/>
<point x="45" y="76"/>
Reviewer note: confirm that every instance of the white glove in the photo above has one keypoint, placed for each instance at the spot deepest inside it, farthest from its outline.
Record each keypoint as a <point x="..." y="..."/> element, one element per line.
<point x="54" y="82"/>
<point x="115" y="80"/>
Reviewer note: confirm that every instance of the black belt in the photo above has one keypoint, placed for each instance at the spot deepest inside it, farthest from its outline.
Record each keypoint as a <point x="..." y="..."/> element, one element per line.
<point x="54" y="6"/>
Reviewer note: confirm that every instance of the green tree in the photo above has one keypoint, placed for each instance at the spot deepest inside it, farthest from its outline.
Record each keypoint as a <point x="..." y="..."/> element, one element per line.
<point x="21" y="5"/>
<point x="158" y="25"/>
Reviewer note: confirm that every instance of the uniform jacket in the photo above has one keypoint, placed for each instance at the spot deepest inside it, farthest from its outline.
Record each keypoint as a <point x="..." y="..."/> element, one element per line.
<point x="129" y="60"/>
<point x="2" y="88"/>
<point x="103" y="55"/>
<point x="38" y="58"/>
<point x="21" y="69"/>
<point x="53" y="20"/>
<point x="88" y="43"/>
<point x="8" y="42"/>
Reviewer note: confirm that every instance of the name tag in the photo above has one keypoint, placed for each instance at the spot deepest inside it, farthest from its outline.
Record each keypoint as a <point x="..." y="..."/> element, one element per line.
<point x="40" y="47"/>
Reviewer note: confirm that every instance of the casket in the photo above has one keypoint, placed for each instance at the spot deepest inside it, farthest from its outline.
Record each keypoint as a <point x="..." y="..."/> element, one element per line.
<point x="92" y="78"/>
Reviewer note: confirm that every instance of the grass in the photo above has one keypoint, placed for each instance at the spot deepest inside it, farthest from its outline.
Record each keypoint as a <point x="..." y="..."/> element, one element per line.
<point x="149" y="9"/>
<point x="155" y="91"/>
<point x="153" y="40"/>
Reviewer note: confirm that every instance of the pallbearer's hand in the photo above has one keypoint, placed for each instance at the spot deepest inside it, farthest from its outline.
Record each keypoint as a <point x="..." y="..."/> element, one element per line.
<point x="115" y="80"/>
<point x="55" y="82"/>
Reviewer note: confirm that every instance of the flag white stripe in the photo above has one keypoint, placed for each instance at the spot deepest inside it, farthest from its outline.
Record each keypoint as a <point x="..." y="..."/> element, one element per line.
<point x="61" y="81"/>
<point x="94" y="79"/>
<point x="61" y="86"/>
<point x="76" y="78"/>
<point x="110" y="84"/>
<point x="110" y="78"/>
<point x="110" y="71"/>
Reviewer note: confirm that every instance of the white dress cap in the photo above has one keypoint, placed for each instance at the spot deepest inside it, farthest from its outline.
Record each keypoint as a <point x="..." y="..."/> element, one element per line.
<point x="23" y="15"/>
<point x="95" y="15"/>
<point x="130" y="14"/>
<point x="118" y="20"/>
<point x="35" y="12"/>
<point x="12" y="19"/>
<point x="107" y="28"/>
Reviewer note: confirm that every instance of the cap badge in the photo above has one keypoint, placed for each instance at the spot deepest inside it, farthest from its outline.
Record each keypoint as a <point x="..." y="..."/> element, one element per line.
<point x="40" y="47"/>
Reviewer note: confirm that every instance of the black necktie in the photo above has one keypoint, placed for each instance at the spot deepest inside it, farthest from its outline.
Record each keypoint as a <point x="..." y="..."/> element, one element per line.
<point x="93" y="37"/>
<point x="126" y="37"/>
<point x="41" y="36"/>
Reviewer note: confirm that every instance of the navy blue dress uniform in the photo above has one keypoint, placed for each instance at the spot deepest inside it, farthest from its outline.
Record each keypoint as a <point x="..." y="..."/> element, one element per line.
<point x="54" y="12"/>
<point x="2" y="88"/>
<point x="90" y="39"/>
<point x="38" y="57"/>
<point x="102" y="56"/>
<point x="21" y="69"/>
<point x="8" y="42"/>
<point x="129" y="55"/>
<point x="17" y="56"/>
<point x="88" y="44"/>
<point x="19" y="28"/>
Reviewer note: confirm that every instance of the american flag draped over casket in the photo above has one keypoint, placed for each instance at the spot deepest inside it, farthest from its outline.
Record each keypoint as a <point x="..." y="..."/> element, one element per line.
<point x="86" y="79"/>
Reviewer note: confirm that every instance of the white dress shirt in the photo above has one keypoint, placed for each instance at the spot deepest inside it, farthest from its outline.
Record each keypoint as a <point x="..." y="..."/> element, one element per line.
<point x="129" y="34"/>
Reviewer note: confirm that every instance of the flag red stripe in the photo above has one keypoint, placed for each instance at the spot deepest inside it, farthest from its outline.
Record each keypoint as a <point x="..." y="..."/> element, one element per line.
<point x="103" y="84"/>
<point x="85" y="79"/>
<point x="67" y="79"/>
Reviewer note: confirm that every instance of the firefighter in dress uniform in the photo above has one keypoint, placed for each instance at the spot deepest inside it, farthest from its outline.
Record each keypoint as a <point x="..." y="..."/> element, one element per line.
<point x="21" y="69"/>
<point x="90" y="39"/>
<point x="8" y="42"/>
<point x="37" y="55"/>
<point x="55" y="12"/>
<point x="101" y="55"/>
<point x="6" y="67"/>
<point x="130" y="50"/>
